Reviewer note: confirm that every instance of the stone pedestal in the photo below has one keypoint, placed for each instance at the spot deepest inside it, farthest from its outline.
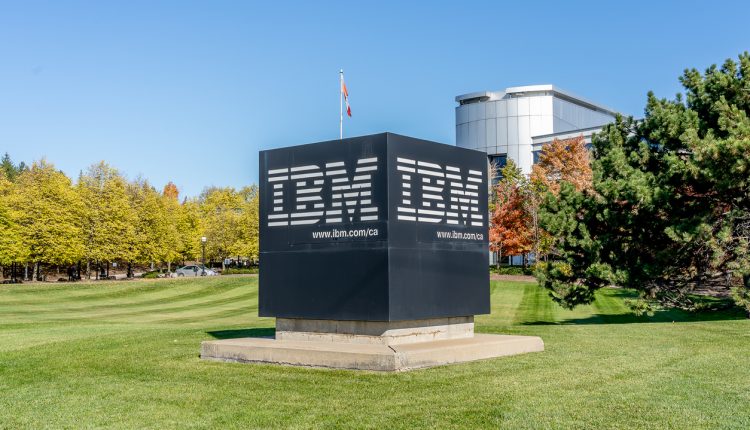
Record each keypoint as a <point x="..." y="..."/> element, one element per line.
<point x="374" y="332"/>
<point x="371" y="345"/>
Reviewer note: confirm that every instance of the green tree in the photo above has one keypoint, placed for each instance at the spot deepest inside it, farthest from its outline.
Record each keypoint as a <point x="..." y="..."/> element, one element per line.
<point x="669" y="212"/>
<point x="48" y="213"/>
<point x="11" y="170"/>
<point x="565" y="160"/>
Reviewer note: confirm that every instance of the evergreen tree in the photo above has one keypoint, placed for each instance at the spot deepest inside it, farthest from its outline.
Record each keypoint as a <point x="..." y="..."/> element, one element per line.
<point x="565" y="160"/>
<point x="10" y="170"/>
<point x="669" y="211"/>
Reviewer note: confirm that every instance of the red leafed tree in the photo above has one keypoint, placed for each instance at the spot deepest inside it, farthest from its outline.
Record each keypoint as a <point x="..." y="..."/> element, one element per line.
<point x="509" y="230"/>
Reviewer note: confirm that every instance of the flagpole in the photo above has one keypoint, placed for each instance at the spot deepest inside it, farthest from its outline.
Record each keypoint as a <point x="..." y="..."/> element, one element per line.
<point x="341" y="104"/>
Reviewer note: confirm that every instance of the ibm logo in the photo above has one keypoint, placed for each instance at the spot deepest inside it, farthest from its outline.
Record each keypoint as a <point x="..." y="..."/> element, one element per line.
<point x="446" y="195"/>
<point x="460" y="206"/>
<point x="347" y="193"/>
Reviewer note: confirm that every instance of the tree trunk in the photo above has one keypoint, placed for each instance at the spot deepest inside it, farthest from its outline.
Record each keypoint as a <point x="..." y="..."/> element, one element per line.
<point x="26" y="271"/>
<point x="107" y="269"/>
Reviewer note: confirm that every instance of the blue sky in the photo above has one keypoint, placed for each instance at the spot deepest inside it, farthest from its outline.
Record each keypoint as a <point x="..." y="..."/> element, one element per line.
<point x="191" y="91"/>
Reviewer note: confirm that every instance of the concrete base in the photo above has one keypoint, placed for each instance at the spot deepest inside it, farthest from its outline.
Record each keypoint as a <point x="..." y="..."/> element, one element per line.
<point x="375" y="332"/>
<point x="368" y="356"/>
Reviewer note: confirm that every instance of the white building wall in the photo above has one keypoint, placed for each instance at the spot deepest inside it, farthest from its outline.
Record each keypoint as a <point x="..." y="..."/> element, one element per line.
<point x="506" y="122"/>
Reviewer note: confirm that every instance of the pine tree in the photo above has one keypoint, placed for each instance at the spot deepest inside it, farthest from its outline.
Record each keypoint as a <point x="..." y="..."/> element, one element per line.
<point x="565" y="160"/>
<point x="669" y="211"/>
<point x="10" y="170"/>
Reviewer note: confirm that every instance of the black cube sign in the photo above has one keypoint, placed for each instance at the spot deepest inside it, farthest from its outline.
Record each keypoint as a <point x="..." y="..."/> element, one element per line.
<point x="375" y="228"/>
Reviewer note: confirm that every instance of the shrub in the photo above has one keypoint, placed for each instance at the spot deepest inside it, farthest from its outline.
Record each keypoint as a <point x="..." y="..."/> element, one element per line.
<point x="512" y="270"/>
<point x="242" y="271"/>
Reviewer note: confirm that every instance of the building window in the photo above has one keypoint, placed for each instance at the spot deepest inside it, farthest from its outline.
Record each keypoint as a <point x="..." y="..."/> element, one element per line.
<point x="497" y="162"/>
<point x="536" y="156"/>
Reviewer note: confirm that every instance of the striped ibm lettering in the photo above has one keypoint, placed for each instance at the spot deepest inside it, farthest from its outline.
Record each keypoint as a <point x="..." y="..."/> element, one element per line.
<point x="351" y="194"/>
<point x="447" y="196"/>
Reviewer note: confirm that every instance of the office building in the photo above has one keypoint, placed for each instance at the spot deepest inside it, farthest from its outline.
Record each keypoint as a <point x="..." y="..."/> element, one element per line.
<point x="515" y="123"/>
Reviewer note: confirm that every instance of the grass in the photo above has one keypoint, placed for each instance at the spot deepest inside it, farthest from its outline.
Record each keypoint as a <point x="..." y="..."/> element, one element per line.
<point x="125" y="355"/>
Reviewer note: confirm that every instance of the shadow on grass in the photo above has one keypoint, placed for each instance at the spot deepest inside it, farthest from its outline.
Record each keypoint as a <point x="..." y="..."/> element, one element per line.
<point x="725" y="309"/>
<point x="245" y="332"/>
<point x="667" y="316"/>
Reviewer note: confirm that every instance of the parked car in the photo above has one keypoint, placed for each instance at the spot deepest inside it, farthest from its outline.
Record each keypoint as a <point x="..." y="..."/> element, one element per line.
<point x="193" y="271"/>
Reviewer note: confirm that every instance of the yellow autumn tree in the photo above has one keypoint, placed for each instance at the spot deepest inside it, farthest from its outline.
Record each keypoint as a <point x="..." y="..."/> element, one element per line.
<point x="247" y="235"/>
<point x="11" y="247"/>
<point x="173" y="212"/>
<point x="151" y="232"/>
<point x="189" y="229"/>
<point x="108" y="218"/>
<point x="221" y="211"/>
<point x="48" y="212"/>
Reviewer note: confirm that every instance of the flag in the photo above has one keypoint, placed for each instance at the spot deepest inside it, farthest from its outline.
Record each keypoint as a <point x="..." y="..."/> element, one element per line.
<point x="345" y="92"/>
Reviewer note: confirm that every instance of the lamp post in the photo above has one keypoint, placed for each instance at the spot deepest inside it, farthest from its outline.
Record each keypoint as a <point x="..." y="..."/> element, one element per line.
<point x="203" y="260"/>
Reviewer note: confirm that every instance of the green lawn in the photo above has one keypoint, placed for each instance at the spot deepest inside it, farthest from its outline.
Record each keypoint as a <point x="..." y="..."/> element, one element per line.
<point x="125" y="355"/>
